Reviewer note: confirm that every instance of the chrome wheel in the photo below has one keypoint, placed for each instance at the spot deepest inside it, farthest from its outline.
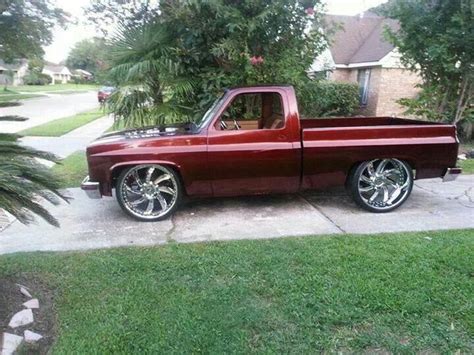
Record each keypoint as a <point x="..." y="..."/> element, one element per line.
<point x="384" y="184"/>
<point x="148" y="192"/>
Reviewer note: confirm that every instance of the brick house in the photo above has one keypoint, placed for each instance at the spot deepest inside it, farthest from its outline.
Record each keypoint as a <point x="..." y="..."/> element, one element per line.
<point x="359" y="53"/>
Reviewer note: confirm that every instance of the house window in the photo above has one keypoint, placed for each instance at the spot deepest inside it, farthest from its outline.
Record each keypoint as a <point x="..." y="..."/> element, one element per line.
<point x="363" y="78"/>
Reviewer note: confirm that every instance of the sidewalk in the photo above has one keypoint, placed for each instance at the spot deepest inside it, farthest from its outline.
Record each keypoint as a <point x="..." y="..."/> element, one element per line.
<point x="73" y="141"/>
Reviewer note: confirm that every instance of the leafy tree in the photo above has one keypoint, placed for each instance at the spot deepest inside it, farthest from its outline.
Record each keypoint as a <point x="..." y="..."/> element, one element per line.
<point x="436" y="40"/>
<point x="26" y="26"/>
<point x="104" y="14"/>
<point x="23" y="180"/>
<point x="191" y="50"/>
<point x="90" y="55"/>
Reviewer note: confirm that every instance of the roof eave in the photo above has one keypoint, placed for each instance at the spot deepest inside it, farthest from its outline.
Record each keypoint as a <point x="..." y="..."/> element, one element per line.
<point x="359" y="65"/>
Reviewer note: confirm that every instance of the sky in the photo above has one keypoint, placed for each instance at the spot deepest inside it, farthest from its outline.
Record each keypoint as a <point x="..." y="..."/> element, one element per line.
<point x="64" y="40"/>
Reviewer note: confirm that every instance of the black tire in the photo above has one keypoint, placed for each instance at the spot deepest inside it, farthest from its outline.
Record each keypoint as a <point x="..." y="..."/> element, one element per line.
<point x="357" y="191"/>
<point x="123" y="196"/>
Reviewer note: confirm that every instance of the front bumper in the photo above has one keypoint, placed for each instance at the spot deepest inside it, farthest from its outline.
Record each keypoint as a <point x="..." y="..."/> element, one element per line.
<point x="452" y="174"/>
<point x="91" y="188"/>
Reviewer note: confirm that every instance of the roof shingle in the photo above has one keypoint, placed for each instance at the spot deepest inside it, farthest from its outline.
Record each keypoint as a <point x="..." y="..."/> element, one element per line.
<point x="359" y="39"/>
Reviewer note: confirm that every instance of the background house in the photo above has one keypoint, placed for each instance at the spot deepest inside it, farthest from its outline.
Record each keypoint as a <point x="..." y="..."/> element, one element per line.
<point x="58" y="73"/>
<point x="82" y="74"/>
<point x="359" y="53"/>
<point x="13" y="73"/>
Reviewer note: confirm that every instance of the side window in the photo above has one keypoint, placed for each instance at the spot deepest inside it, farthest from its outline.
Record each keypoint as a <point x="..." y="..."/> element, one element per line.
<point x="253" y="112"/>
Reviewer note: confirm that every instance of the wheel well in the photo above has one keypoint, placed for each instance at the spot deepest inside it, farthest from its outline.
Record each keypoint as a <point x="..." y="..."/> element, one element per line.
<point x="354" y="166"/>
<point x="118" y="170"/>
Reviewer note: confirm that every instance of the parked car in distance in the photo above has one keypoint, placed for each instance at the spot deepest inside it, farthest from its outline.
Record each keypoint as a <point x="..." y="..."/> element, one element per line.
<point x="104" y="93"/>
<point x="253" y="141"/>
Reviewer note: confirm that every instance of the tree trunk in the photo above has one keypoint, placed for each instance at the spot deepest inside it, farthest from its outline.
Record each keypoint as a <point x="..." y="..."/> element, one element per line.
<point x="463" y="100"/>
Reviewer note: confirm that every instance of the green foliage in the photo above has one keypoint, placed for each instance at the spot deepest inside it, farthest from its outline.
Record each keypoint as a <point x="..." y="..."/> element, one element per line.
<point x="175" y="65"/>
<point x="24" y="181"/>
<point x="26" y="26"/>
<point x="89" y="55"/>
<point x="104" y="14"/>
<point x="435" y="39"/>
<point x="326" y="98"/>
<point x="35" y="78"/>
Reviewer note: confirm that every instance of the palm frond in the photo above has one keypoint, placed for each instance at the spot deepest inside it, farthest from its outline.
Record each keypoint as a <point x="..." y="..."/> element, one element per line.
<point x="24" y="182"/>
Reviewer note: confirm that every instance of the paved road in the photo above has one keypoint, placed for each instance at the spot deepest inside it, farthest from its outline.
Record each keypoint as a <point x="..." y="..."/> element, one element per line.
<point x="89" y="224"/>
<point x="44" y="109"/>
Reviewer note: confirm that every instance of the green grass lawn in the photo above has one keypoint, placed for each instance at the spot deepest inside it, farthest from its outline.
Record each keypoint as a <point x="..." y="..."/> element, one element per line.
<point x="72" y="170"/>
<point x="64" y="125"/>
<point x="401" y="293"/>
<point x="467" y="166"/>
<point x="56" y="87"/>
<point x="16" y="97"/>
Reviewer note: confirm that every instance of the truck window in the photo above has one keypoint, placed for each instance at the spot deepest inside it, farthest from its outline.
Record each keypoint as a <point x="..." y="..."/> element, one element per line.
<point x="253" y="111"/>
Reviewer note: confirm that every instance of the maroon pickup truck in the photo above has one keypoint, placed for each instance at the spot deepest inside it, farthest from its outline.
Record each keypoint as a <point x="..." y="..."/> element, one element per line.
<point x="253" y="141"/>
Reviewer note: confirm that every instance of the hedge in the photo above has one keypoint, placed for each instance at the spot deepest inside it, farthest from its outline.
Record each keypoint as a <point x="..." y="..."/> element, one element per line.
<point x="328" y="98"/>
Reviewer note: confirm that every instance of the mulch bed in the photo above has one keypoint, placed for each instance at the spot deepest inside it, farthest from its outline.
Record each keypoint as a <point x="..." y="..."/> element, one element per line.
<point x="44" y="318"/>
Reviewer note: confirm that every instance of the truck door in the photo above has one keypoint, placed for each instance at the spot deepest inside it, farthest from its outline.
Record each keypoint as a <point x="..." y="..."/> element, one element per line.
<point x="251" y="145"/>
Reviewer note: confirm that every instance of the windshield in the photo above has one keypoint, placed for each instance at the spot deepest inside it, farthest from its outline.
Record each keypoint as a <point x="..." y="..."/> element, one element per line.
<point x="210" y="113"/>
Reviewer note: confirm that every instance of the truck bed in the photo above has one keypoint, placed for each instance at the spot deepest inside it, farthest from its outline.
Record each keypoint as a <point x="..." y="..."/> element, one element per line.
<point x="359" y="122"/>
<point x="332" y="147"/>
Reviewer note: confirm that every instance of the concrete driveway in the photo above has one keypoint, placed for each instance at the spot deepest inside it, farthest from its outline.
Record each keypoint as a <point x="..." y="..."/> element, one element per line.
<point x="44" y="109"/>
<point x="88" y="224"/>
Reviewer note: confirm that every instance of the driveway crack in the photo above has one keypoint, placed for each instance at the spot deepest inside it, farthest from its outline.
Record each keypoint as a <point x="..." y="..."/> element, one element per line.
<point x="316" y="207"/>
<point x="169" y="234"/>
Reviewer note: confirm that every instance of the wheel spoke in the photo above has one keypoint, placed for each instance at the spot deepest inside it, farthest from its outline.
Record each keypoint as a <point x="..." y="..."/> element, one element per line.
<point x="381" y="166"/>
<point x="366" y="179"/>
<point x="385" y="194"/>
<point x="137" y="202"/>
<point x="149" y="173"/>
<point x="366" y="189"/>
<point x="162" y="178"/>
<point x="389" y="172"/>
<point x="162" y="201"/>
<point x="374" y="196"/>
<point x="130" y="190"/>
<point x="149" y="208"/>
<point x="394" y="195"/>
<point x="370" y="169"/>
<point x="137" y="178"/>
<point x="167" y="190"/>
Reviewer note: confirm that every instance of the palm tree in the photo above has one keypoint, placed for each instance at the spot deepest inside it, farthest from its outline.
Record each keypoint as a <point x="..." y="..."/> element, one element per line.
<point x="24" y="181"/>
<point x="149" y="85"/>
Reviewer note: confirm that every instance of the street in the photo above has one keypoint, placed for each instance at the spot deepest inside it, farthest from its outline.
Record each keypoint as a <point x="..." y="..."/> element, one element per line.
<point x="44" y="109"/>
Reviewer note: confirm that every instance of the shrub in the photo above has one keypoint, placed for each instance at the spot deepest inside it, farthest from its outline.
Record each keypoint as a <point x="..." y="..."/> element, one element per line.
<point x="34" y="78"/>
<point x="325" y="98"/>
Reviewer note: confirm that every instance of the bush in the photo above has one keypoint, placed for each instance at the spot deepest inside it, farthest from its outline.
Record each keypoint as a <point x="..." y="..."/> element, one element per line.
<point x="326" y="98"/>
<point x="34" y="78"/>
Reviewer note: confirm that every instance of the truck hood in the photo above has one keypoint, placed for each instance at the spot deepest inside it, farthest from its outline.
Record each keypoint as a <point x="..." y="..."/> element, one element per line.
<point x="178" y="129"/>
